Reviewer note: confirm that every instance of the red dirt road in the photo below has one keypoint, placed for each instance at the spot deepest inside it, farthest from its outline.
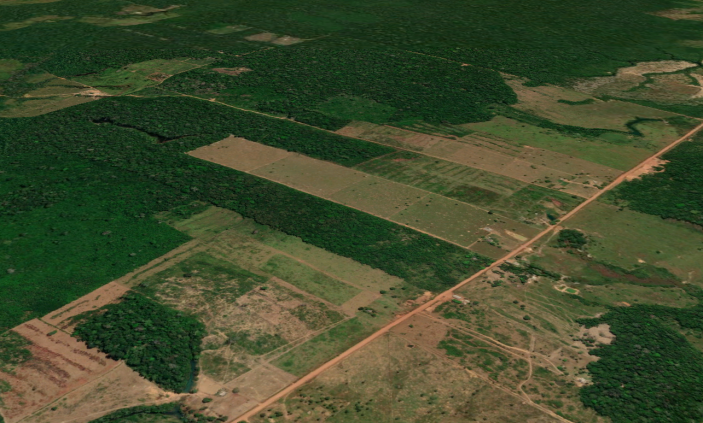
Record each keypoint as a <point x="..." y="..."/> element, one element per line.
<point x="447" y="295"/>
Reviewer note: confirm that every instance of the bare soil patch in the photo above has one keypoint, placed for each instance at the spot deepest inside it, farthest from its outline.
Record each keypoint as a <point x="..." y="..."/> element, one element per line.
<point x="239" y="153"/>
<point x="262" y="382"/>
<point x="264" y="37"/>
<point x="59" y="364"/>
<point x="287" y="40"/>
<point x="310" y="175"/>
<point x="63" y="317"/>
<point x="122" y="387"/>
<point x="232" y="71"/>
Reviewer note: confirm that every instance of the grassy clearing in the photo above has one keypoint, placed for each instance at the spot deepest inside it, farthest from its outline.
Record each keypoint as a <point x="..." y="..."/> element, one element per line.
<point x="322" y="348"/>
<point x="618" y="156"/>
<point x="627" y="238"/>
<point x="137" y="76"/>
<point x="310" y="280"/>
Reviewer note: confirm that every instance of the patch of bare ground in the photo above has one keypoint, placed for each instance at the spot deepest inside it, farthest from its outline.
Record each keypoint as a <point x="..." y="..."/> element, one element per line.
<point x="232" y="71"/>
<point x="651" y="166"/>
<point x="63" y="317"/>
<point x="690" y="14"/>
<point x="59" y="365"/>
<point x="122" y="387"/>
<point x="239" y="153"/>
<point x="263" y="36"/>
<point x="287" y="40"/>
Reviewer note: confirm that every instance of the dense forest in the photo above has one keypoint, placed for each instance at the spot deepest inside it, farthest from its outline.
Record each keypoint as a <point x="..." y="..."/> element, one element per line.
<point x="304" y="77"/>
<point x="674" y="191"/>
<point x="69" y="226"/>
<point x="546" y="42"/>
<point x="650" y="372"/>
<point x="158" y="342"/>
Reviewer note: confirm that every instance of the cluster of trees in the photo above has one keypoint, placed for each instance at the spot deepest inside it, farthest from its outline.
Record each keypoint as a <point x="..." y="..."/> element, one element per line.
<point x="127" y="414"/>
<point x="675" y="192"/>
<point x="13" y="351"/>
<point x="297" y="79"/>
<point x="650" y="372"/>
<point x="158" y="342"/>
<point x="524" y="271"/>
<point x="571" y="238"/>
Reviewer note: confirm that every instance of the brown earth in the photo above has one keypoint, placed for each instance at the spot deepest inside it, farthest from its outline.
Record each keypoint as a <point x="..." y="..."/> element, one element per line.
<point x="63" y="317"/>
<point x="59" y="365"/>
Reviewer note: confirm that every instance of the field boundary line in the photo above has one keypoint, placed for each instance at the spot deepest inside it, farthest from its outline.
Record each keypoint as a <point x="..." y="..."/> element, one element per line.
<point x="447" y="295"/>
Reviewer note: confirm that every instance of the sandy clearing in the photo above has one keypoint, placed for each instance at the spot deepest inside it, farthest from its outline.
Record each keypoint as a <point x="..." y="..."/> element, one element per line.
<point x="59" y="365"/>
<point x="240" y="153"/>
<point x="232" y="71"/>
<point x="287" y="40"/>
<point x="647" y="168"/>
<point x="106" y="294"/>
<point x="262" y="382"/>
<point x="120" y="388"/>
<point x="263" y="36"/>
<point x="310" y="175"/>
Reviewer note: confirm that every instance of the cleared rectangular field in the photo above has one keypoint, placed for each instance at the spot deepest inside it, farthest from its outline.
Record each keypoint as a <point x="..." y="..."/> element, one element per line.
<point x="378" y="196"/>
<point x="362" y="191"/>
<point x="239" y="153"/>
<point x="310" y="280"/>
<point x="490" y="154"/>
<point x="309" y="175"/>
<point x="454" y="220"/>
<point x="58" y="365"/>
<point x="506" y="196"/>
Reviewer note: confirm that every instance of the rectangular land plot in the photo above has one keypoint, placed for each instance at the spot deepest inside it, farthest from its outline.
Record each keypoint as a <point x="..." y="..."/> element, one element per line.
<point x="488" y="155"/>
<point x="449" y="219"/>
<point x="58" y="365"/>
<point x="378" y="196"/>
<point x="239" y="153"/>
<point x="627" y="238"/>
<point x="309" y="175"/>
<point x="310" y="280"/>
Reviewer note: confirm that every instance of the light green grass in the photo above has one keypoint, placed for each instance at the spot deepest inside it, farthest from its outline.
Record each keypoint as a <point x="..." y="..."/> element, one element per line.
<point x="310" y="280"/>
<point x="617" y="156"/>
<point x="624" y="237"/>
<point x="322" y="348"/>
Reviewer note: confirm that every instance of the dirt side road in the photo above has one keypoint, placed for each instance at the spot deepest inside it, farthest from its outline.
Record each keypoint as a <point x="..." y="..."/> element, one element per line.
<point x="447" y="295"/>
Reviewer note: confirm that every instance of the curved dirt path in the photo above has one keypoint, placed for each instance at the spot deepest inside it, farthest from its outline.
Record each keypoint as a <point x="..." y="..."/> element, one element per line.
<point x="447" y="295"/>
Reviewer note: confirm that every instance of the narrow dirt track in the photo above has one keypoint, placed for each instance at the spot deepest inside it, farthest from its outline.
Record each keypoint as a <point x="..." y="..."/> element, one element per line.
<point x="447" y="295"/>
